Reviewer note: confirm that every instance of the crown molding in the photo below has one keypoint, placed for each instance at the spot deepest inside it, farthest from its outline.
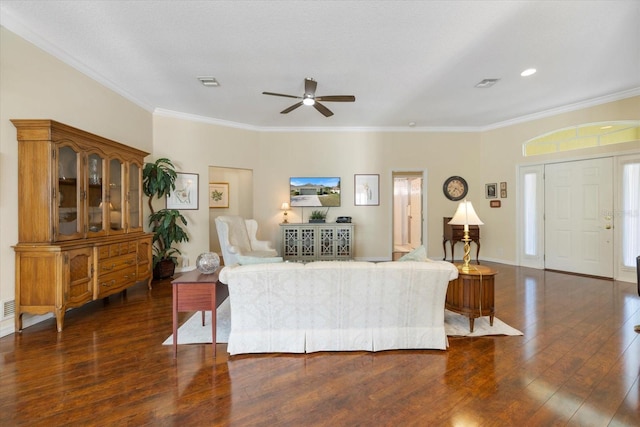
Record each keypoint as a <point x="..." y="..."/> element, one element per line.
<point x="564" y="109"/>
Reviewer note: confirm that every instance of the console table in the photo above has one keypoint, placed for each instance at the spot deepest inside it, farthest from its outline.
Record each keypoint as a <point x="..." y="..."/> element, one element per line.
<point x="455" y="233"/>
<point x="317" y="241"/>
<point x="472" y="293"/>
<point x="194" y="291"/>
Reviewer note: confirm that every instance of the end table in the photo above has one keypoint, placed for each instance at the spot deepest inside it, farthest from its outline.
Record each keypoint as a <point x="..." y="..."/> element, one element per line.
<point x="194" y="291"/>
<point x="472" y="293"/>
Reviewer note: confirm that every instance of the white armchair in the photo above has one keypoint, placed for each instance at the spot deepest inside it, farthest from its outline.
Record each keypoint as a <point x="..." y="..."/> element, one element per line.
<point x="238" y="237"/>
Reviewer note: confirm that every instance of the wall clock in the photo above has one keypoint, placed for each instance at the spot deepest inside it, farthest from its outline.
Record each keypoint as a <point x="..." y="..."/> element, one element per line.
<point x="455" y="188"/>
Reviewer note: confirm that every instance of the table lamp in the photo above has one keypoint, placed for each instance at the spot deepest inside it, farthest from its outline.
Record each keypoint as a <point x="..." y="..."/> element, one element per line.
<point x="285" y="207"/>
<point x="466" y="215"/>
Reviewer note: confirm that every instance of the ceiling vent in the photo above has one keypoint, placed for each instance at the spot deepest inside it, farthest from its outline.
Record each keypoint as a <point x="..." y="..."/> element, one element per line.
<point x="486" y="83"/>
<point x="209" y="81"/>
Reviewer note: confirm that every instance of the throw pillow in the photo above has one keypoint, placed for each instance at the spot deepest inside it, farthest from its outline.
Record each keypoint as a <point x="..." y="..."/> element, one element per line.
<point x="249" y="260"/>
<point x="418" y="254"/>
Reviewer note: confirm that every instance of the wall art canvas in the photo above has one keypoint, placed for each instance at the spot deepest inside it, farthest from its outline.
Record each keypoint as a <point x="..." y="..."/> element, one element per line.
<point x="185" y="195"/>
<point x="218" y="194"/>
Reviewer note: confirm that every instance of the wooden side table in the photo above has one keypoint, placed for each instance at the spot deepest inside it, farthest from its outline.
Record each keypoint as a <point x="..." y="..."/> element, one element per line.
<point x="455" y="233"/>
<point x="472" y="293"/>
<point x="194" y="291"/>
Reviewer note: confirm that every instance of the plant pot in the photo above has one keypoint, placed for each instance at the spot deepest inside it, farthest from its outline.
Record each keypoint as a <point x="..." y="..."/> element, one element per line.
<point x="317" y="221"/>
<point x="164" y="269"/>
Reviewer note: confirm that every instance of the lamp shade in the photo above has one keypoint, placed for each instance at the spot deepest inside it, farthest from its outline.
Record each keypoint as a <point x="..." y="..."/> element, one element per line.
<point x="285" y="206"/>
<point x="465" y="215"/>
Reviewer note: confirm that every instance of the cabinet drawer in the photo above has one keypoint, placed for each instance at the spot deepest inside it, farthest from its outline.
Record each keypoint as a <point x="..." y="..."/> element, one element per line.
<point x="114" y="282"/>
<point x="114" y="264"/>
<point x="458" y="234"/>
<point x="116" y="249"/>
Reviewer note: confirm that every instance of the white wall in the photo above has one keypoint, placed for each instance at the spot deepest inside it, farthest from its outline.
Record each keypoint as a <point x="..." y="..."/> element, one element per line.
<point x="347" y="153"/>
<point x="501" y="153"/>
<point x="193" y="147"/>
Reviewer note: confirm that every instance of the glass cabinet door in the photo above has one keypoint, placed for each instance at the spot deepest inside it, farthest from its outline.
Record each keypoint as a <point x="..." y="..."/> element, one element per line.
<point x="135" y="197"/>
<point x="116" y="198"/>
<point x="69" y="213"/>
<point x="95" y="194"/>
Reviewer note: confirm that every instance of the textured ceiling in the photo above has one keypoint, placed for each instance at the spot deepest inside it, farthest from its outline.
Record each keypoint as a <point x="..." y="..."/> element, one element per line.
<point x="405" y="61"/>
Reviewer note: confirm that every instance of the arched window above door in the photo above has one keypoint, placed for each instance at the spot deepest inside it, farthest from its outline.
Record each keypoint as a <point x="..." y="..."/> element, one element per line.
<point x="583" y="136"/>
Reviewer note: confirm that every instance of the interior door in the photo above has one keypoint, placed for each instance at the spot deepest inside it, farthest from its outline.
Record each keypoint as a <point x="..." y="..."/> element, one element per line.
<point x="407" y="212"/>
<point x="578" y="217"/>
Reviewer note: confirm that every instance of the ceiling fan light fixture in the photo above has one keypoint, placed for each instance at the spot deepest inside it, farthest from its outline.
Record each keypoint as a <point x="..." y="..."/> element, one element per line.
<point x="209" y="81"/>
<point x="528" y="72"/>
<point x="308" y="101"/>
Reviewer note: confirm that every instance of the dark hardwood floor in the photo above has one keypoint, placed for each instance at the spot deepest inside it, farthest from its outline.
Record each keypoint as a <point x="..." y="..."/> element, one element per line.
<point x="577" y="364"/>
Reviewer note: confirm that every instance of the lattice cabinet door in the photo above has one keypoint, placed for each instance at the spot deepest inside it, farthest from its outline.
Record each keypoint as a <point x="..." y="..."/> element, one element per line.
<point x="326" y="243"/>
<point x="290" y="242"/>
<point x="308" y="243"/>
<point x="344" y="242"/>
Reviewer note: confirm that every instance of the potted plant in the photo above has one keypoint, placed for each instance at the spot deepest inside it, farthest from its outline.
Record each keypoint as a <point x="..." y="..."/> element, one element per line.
<point x="158" y="180"/>
<point x="317" y="216"/>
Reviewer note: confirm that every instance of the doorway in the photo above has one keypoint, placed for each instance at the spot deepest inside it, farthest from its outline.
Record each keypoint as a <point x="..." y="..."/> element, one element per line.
<point x="578" y="217"/>
<point x="407" y="212"/>
<point x="565" y="217"/>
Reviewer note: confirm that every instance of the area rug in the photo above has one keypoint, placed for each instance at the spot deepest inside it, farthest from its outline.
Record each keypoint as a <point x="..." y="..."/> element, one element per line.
<point x="456" y="325"/>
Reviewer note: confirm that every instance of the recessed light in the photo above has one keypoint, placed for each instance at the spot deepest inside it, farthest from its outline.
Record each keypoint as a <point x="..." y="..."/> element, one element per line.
<point x="528" y="72"/>
<point x="487" y="83"/>
<point x="209" y="81"/>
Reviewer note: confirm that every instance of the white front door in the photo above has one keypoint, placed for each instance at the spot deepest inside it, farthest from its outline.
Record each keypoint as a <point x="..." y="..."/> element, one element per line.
<point x="578" y="217"/>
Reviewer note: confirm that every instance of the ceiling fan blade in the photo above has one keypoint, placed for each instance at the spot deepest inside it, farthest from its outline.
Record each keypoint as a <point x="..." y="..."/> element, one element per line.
<point x="336" y="98"/>
<point x="281" y="94"/>
<point x="293" y="107"/>
<point x="310" y="87"/>
<point x="324" y="110"/>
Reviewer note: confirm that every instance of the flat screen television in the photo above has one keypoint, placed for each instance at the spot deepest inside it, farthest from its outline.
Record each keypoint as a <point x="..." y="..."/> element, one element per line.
<point x="314" y="191"/>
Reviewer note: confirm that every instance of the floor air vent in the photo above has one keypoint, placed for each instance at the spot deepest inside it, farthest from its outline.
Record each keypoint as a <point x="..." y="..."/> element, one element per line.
<point x="8" y="308"/>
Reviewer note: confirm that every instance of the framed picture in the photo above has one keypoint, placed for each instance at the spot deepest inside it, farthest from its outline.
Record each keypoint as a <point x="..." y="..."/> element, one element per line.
<point x="367" y="190"/>
<point x="491" y="191"/>
<point x="503" y="190"/>
<point x="185" y="195"/>
<point x="218" y="194"/>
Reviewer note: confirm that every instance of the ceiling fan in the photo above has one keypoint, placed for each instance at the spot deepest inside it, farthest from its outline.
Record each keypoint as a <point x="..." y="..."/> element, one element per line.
<point x="310" y="98"/>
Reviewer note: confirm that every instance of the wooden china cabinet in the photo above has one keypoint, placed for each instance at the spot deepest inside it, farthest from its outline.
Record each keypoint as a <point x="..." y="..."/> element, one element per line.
<point x="79" y="219"/>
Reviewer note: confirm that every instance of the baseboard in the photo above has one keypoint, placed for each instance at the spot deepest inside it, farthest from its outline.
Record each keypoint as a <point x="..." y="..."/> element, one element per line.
<point x="27" y="320"/>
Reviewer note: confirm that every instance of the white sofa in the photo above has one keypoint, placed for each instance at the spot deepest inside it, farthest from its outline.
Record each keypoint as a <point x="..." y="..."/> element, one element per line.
<point x="337" y="306"/>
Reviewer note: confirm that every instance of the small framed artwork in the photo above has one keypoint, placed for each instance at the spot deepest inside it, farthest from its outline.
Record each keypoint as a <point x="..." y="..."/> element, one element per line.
<point x="503" y="190"/>
<point x="491" y="191"/>
<point x="218" y="194"/>
<point x="367" y="190"/>
<point x="494" y="203"/>
<point x="185" y="195"/>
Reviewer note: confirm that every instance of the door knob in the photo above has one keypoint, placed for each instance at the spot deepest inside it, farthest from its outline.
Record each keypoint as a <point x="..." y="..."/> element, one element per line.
<point x="607" y="227"/>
